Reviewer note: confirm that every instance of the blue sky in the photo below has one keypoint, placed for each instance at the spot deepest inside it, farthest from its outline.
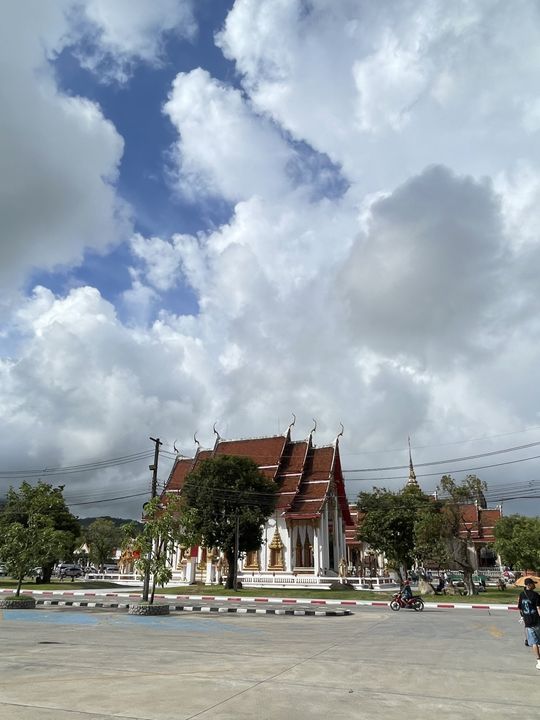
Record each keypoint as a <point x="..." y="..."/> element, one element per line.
<point x="229" y="212"/>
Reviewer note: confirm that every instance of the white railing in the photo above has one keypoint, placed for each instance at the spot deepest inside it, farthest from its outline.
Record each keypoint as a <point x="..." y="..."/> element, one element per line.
<point x="123" y="578"/>
<point x="264" y="580"/>
<point x="314" y="581"/>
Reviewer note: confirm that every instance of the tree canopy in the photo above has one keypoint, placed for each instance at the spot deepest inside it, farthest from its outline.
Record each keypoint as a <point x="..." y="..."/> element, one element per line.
<point x="388" y="523"/>
<point x="102" y="537"/>
<point x="224" y="493"/>
<point x="163" y="528"/>
<point x="517" y="540"/>
<point x="36" y="529"/>
<point x="445" y="531"/>
<point x="409" y="526"/>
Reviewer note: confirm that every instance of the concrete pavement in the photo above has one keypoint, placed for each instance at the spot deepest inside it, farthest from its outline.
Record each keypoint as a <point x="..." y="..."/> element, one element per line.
<point x="64" y="664"/>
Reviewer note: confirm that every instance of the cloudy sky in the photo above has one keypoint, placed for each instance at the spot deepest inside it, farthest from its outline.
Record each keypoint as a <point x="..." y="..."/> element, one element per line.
<point x="229" y="212"/>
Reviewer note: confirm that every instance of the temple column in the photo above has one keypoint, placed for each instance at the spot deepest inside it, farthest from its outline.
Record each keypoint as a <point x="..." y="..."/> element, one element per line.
<point x="324" y="539"/>
<point x="210" y="569"/>
<point x="264" y="550"/>
<point x="316" y="549"/>
<point x="337" y="530"/>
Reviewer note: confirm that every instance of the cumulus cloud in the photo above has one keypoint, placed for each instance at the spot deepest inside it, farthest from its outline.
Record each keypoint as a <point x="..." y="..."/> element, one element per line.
<point x="118" y="34"/>
<point x="427" y="278"/>
<point x="403" y="86"/>
<point x="60" y="155"/>
<point x="404" y="301"/>
<point x="223" y="147"/>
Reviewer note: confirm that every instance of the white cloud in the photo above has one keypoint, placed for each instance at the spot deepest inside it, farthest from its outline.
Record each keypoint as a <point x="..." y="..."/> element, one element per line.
<point x="161" y="261"/>
<point x="59" y="154"/>
<point x="223" y="147"/>
<point x="427" y="278"/>
<point x="125" y="31"/>
<point x="405" y="303"/>
<point x="387" y="88"/>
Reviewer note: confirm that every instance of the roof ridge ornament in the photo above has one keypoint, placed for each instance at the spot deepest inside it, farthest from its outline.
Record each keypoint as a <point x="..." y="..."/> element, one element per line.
<point x="218" y="436"/>
<point x="340" y="433"/>
<point x="197" y="443"/>
<point x="314" y="428"/>
<point x="291" y="424"/>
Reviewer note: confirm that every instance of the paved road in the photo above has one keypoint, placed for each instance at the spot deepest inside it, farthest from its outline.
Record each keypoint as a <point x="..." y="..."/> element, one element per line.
<point x="72" y="664"/>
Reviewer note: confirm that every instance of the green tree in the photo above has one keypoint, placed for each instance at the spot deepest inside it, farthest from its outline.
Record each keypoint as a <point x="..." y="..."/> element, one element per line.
<point x="163" y="528"/>
<point x="388" y="523"/>
<point x="36" y="529"/>
<point x="517" y="540"/>
<point x="102" y="537"/>
<point x="445" y="532"/>
<point x="223" y="494"/>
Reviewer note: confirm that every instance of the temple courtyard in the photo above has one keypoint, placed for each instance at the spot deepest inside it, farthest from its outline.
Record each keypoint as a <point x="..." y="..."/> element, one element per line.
<point x="82" y="664"/>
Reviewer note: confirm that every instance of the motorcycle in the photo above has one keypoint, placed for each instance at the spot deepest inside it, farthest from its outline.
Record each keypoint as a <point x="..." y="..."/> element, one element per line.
<point x="415" y="603"/>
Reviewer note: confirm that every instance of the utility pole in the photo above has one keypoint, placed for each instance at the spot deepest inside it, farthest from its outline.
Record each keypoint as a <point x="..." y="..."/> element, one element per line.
<point x="153" y="494"/>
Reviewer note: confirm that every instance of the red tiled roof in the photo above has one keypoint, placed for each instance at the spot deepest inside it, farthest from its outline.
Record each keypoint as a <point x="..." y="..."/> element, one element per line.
<point x="468" y="513"/>
<point x="301" y="471"/>
<point x="264" y="451"/>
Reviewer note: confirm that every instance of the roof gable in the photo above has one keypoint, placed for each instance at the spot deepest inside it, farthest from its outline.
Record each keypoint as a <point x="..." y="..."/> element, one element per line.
<point x="303" y="473"/>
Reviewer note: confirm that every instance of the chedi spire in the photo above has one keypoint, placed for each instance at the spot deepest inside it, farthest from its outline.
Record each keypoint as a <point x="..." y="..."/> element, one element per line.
<point x="412" y="481"/>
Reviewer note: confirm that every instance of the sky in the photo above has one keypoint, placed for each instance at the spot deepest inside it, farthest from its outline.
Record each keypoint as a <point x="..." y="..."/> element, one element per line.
<point x="229" y="216"/>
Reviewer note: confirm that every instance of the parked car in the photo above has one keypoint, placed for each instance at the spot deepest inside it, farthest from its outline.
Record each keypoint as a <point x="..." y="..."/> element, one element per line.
<point x="111" y="569"/>
<point x="3" y="571"/>
<point x="71" y="571"/>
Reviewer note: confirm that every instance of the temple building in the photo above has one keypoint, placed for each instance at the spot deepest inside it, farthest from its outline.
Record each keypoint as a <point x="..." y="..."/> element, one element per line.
<point x="306" y="534"/>
<point x="477" y="525"/>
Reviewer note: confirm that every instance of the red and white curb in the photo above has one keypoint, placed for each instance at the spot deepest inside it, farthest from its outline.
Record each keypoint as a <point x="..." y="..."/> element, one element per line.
<point x="268" y="600"/>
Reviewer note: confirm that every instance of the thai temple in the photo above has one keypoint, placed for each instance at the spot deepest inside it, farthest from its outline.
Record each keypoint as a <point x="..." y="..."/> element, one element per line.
<point x="305" y="537"/>
<point x="312" y="537"/>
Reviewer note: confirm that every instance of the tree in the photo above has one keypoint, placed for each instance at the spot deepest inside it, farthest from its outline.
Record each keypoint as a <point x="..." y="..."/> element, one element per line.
<point x="163" y="528"/>
<point x="517" y="541"/>
<point x="228" y="499"/>
<point x="36" y="529"/>
<point x="389" y="521"/>
<point x="445" y="530"/>
<point x="102" y="537"/>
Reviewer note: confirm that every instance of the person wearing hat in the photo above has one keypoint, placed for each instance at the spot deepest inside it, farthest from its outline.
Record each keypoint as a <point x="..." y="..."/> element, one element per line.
<point x="528" y="604"/>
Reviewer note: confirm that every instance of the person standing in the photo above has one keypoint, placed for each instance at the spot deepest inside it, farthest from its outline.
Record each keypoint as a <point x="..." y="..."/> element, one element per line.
<point x="528" y="604"/>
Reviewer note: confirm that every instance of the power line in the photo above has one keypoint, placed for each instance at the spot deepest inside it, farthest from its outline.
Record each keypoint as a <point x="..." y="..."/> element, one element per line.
<point x="447" y="472"/>
<point x="455" y="442"/>
<point x="112" y="499"/>
<point x="448" y="460"/>
<point x="71" y="469"/>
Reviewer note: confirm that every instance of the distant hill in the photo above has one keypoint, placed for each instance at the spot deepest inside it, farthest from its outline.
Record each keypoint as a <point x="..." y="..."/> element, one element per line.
<point x="85" y="522"/>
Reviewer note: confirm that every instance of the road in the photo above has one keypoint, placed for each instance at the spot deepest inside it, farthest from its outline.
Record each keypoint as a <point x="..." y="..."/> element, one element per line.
<point x="75" y="664"/>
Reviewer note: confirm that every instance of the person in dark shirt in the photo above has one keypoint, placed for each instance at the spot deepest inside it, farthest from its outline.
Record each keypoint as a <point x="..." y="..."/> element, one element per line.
<point x="528" y="604"/>
<point x="406" y="592"/>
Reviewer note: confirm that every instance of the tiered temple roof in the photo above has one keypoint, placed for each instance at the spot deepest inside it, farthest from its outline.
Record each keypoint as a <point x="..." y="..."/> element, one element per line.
<point x="302" y="472"/>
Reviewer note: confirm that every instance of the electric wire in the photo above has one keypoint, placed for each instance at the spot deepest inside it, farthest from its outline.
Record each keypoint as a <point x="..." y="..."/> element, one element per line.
<point x="446" y="472"/>
<point x="448" y="460"/>
<point x="73" y="469"/>
<point x="454" y="442"/>
<point x="111" y="499"/>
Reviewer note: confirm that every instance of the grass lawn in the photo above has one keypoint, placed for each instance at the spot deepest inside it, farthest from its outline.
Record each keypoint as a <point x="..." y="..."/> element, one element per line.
<point x="491" y="597"/>
<point x="505" y="597"/>
<point x="59" y="585"/>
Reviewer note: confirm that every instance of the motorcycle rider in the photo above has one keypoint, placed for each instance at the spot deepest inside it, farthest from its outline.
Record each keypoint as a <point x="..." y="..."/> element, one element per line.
<point x="406" y="592"/>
